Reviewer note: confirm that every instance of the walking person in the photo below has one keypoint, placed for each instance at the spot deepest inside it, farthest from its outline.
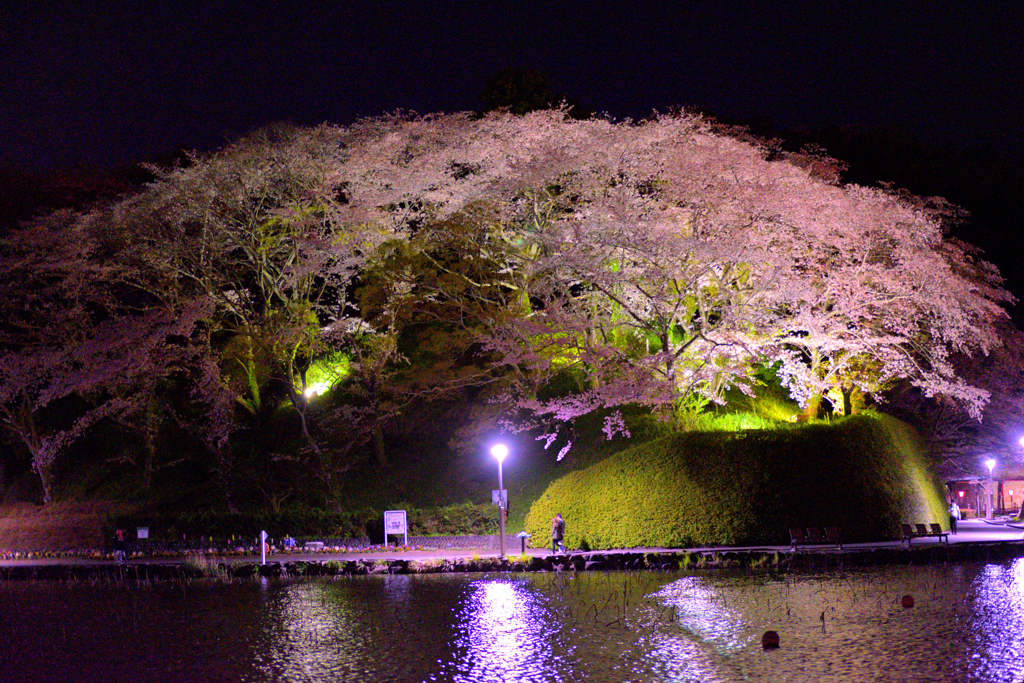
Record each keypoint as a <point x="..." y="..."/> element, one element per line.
<point x="557" y="533"/>
<point x="119" y="546"/>
<point x="954" y="515"/>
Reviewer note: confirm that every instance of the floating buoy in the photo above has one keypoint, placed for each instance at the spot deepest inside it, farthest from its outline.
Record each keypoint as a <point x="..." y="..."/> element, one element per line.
<point x="770" y="640"/>
<point x="908" y="601"/>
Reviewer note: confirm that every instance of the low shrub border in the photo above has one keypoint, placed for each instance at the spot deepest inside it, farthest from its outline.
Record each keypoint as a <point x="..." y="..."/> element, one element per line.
<point x="225" y="532"/>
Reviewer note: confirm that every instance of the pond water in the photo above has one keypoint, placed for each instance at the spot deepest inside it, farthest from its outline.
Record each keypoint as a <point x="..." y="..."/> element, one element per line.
<point x="967" y="625"/>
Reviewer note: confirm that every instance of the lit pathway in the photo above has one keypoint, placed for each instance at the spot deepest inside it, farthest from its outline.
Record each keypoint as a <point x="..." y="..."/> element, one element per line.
<point x="969" y="531"/>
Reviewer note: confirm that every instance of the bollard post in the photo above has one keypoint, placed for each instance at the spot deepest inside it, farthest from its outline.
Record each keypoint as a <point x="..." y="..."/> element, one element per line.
<point x="522" y="541"/>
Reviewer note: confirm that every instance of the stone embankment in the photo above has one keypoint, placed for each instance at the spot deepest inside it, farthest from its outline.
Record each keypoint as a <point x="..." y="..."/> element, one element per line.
<point x="753" y="560"/>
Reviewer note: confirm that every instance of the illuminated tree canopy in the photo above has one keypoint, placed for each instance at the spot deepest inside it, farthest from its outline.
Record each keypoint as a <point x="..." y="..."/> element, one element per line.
<point x="656" y="263"/>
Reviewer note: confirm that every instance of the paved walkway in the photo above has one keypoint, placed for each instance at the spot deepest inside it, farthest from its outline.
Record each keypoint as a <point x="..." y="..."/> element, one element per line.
<point x="969" y="531"/>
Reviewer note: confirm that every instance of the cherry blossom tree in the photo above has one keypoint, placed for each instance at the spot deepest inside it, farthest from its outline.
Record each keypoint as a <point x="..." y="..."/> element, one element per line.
<point x="655" y="263"/>
<point x="680" y="255"/>
<point x="957" y="440"/>
<point x="74" y="351"/>
<point x="882" y="296"/>
<point x="660" y="261"/>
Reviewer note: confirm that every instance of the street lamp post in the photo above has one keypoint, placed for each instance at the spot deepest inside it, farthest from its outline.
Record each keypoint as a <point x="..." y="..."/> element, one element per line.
<point x="499" y="452"/>
<point x="990" y="464"/>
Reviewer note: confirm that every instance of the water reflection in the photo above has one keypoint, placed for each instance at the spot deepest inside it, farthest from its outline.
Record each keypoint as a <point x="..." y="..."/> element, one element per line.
<point x="998" y="635"/>
<point x="707" y="626"/>
<point x="967" y="625"/>
<point x="504" y="633"/>
<point x="310" y="631"/>
<point x="369" y="628"/>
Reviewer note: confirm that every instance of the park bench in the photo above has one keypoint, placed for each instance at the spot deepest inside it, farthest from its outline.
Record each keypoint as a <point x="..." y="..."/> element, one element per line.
<point x="910" y="532"/>
<point x="815" y="536"/>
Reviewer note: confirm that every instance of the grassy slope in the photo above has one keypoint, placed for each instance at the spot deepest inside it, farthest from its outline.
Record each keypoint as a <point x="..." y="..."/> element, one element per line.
<point x="865" y="474"/>
<point x="62" y="526"/>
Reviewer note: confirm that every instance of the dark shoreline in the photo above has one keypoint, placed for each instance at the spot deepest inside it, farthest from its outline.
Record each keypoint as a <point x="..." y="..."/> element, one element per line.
<point x="414" y="562"/>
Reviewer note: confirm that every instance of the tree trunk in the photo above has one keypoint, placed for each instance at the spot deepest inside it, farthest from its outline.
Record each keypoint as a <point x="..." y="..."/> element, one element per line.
<point x="812" y="410"/>
<point x="378" y="447"/>
<point x="326" y="476"/>
<point x="301" y="405"/>
<point x="46" y="478"/>
<point x="224" y="476"/>
<point x="847" y="398"/>
<point x="150" y="437"/>
<point x="228" y="498"/>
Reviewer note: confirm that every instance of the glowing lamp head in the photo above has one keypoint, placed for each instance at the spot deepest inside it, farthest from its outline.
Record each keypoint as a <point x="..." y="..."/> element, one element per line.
<point x="499" y="451"/>
<point x="990" y="463"/>
<point x="960" y="493"/>
<point x="316" y="389"/>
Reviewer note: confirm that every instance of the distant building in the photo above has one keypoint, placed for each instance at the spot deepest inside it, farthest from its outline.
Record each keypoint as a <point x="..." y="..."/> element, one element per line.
<point x="972" y="493"/>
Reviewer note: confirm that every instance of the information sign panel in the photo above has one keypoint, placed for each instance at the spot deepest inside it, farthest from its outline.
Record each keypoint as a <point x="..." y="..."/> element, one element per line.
<point x="394" y="523"/>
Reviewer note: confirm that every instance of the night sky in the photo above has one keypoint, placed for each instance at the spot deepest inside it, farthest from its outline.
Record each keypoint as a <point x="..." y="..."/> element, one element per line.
<point x="81" y="86"/>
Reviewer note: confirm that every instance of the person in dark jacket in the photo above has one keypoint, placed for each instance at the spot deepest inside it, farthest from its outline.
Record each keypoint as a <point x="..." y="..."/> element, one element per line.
<point x="557" y="533"/>
<point x="119" y="546"/>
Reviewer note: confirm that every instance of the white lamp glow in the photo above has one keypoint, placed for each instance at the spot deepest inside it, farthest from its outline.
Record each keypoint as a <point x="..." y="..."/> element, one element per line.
<point x="990" y="464"/>
<point x="316" y="389"/>
<point x="499" y="451"/>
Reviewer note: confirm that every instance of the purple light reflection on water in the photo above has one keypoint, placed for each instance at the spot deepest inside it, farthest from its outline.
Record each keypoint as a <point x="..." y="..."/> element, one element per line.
<point x="504" y="633"/>
<point x="997" y="636"/>
<point x="967" y="625"/>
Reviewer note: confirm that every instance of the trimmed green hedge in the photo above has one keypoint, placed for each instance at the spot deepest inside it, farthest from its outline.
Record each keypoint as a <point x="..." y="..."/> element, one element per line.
<point x="865" y="474"/>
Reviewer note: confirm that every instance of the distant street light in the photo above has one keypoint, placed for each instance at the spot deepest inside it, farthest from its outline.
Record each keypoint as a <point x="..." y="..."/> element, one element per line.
<point x="499" y="451"/>
<point x="990" y="464"/>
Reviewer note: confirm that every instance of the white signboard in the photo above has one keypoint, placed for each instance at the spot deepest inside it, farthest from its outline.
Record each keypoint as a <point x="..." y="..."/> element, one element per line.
<point x="394" y="523"/>
<point x="142" y="532"/>
<point x="504" y="498"/>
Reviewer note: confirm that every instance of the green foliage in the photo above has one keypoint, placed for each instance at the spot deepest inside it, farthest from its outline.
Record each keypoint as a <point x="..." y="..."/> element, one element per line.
<point x="771" y="401"/>
<point x="327" y="370"/>
<point x="204" y="567"/>
<point x="730" y="422"/>
<point x="865" y="474"/>
<point x="465" y="519"/>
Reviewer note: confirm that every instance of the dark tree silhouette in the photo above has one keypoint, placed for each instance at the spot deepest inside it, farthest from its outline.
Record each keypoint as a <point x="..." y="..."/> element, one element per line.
<point x="525" y="90"/>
